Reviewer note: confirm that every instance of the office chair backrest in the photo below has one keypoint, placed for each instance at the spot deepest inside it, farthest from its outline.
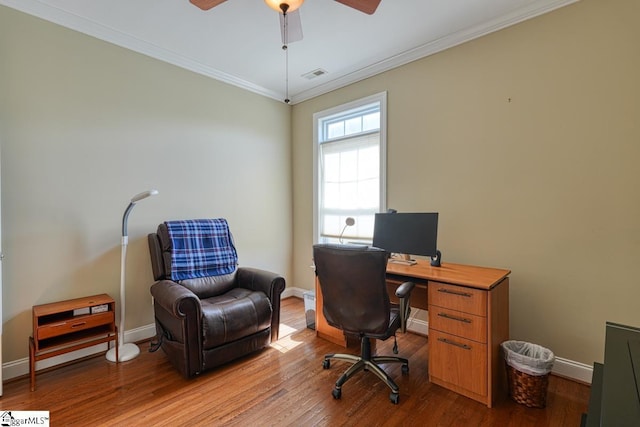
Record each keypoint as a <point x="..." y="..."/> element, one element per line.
<point x="354" y="289"/>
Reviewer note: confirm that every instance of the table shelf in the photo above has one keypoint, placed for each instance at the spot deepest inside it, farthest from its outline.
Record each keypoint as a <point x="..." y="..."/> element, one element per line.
<point x="66" y="326"/>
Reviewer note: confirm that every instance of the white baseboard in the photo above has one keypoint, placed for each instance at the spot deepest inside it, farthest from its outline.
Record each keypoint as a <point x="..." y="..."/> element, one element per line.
<point x="563" y="367"/>
<point x="418" y="326"/>
<point x="573" y="370"/>
<point x="18" y="368"/>
<point x="293" y="292"/>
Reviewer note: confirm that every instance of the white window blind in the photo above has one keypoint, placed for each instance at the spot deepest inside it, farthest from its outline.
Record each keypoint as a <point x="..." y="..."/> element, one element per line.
<point x="349" y="170"/>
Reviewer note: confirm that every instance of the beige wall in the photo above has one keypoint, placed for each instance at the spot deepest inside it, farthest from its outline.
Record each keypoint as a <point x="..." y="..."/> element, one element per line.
<point x="84" y="126"/>
<point x="527" y="142"/>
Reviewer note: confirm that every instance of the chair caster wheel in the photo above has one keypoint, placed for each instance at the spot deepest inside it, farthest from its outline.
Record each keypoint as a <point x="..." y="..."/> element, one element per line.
<point x="326" y="364"/>
<point x="337" y="393"/>
<point x="405" y="369"/>
<point x="394" y="398"/>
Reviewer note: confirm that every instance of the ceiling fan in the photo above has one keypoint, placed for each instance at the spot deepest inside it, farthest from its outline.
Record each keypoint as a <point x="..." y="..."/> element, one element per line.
<point x="366" y="6"/>
<point x="290" y="24"/>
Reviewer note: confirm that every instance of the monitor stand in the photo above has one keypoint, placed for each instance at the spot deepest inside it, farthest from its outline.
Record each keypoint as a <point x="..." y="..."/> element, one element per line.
<point x="403" y="259"/>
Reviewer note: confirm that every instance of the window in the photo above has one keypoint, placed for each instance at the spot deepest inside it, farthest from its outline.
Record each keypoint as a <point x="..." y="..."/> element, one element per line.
<point x="349" y="169"/>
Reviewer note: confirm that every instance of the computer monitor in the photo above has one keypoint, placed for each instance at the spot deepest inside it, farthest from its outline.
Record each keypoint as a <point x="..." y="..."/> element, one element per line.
<point x="406" y="234"/>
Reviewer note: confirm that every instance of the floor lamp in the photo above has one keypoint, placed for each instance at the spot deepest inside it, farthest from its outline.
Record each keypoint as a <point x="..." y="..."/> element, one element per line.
<point x="130" y="350"/>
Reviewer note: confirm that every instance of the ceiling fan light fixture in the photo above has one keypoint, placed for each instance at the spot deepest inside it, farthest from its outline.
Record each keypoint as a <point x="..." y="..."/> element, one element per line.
<point x="284" y="6"/>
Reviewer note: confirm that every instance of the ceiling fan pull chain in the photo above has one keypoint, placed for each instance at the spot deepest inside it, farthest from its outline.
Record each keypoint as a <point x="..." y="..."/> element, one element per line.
<point x="285" y="47"/>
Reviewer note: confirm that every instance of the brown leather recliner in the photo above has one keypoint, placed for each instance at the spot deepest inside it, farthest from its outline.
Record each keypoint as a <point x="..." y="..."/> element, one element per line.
<point x="204" y="322"/>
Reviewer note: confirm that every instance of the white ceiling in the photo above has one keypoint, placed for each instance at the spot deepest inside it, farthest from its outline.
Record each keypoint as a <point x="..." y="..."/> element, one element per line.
<point x="239" y="41"/>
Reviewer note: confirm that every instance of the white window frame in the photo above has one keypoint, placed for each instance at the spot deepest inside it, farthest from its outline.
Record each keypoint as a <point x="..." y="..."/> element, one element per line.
<point x="318" y="117"/>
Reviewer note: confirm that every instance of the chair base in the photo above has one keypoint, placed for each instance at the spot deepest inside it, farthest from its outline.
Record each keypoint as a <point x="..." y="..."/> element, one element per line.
<point x="366" y="362"/>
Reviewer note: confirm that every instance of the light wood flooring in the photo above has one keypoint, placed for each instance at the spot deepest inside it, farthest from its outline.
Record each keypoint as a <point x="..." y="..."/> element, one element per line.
<point x="284" y="385"/>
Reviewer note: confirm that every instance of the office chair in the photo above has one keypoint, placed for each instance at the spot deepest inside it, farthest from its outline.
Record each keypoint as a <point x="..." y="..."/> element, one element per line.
<point x="355" y="299"/>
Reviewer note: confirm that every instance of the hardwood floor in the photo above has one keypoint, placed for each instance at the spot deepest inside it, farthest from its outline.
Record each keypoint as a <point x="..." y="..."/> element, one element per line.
<point x="284" y="385"/>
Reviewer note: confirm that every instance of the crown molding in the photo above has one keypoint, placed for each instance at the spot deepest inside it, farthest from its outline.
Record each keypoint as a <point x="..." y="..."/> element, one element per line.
<point x="94" y="29"/>
<point x="118" y="38"/>
<point x="431" y="48"/>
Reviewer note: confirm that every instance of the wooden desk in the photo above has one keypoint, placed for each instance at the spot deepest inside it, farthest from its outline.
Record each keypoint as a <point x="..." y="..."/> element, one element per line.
<point x="468" y="320"/>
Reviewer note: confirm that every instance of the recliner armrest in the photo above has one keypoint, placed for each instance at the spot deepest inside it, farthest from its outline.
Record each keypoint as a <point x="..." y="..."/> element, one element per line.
<point x="271" y="284"/>
<point x="175" y="298"/>
<point x="403" y="292"/>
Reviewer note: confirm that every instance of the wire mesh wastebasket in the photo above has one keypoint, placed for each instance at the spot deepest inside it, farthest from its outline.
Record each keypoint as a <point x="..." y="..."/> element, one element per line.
<point x="528" y="368"/>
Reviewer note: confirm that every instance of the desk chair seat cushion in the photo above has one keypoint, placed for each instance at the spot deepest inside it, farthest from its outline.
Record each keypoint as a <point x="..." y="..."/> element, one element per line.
<point x="395" y="321"/>
<point x="234" y="315"/>
<point x="394" y="325"/>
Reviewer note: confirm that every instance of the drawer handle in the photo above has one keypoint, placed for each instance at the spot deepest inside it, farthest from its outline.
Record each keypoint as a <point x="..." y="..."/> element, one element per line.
<point x="77" y="325"/>
<point x="57" y="325"/>
<point x="457" y="344"/>
<point x="458" y="293"/>
<point x="450" y="317"/>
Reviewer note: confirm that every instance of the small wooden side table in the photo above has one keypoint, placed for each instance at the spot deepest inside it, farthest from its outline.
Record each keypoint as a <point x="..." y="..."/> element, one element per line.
<point x="65" y="326"/>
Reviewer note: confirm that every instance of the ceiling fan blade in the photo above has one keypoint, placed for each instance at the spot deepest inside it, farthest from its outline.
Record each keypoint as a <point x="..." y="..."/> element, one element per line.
<point x="206" y="4"/>
<point x="366" y="6"/>
<point x="294" y="27"/>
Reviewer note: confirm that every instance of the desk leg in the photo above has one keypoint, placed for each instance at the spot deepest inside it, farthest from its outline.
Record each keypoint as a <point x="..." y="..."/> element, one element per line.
<point x="32" y="363"/>
<point x="117" y="346"/>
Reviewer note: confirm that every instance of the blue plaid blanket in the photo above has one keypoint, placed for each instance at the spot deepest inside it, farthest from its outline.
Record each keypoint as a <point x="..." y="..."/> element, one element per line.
<point x="201" y="248"/>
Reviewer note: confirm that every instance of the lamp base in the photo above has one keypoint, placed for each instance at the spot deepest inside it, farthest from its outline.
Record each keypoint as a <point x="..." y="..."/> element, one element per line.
<point x="126" y="352"/>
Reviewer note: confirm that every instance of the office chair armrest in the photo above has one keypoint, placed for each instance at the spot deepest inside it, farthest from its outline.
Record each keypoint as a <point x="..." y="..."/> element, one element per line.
<point x="404" y="296"/>
<point x="404" y="290"/>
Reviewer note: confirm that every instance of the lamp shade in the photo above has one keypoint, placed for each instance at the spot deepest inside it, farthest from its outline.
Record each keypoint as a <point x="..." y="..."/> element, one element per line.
<point x="284" y="6"/>
<point x="143" y="195"/>
<point x="347" y="223"/>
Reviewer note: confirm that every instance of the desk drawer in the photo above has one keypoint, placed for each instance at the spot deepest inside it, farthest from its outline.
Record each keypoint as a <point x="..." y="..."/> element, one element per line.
<point x="72" y="325"/>
<point x="459" y="298"/>
<point x="458" y="361"/>
<point x="457" y="323"/>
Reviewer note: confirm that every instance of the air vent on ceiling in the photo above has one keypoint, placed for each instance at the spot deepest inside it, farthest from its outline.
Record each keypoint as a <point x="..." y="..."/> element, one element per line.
<point x="315" y="73"/>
